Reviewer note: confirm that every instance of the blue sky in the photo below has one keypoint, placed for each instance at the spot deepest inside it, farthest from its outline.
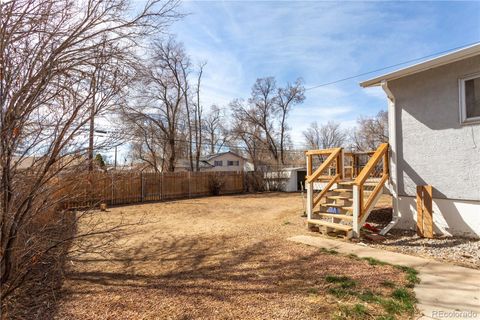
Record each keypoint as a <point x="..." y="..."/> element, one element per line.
<point x="320" y="42"/>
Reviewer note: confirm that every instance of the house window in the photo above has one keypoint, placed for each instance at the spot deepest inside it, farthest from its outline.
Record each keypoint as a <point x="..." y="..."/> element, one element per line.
<point x="470" y="98"/>
<point x="218" y="163"/>
<point x="231" y="163"/>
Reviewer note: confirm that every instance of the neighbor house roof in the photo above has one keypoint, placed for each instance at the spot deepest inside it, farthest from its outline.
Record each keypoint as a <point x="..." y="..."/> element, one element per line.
<point x="425" y="65"/>
<point x="185" y="163"/>
<point x="215" y="155"/>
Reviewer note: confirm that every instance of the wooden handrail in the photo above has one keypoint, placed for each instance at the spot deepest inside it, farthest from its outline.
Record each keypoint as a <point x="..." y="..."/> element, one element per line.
<point x="320" y="152"/>
<point x="326" y="189"/>
<point x="333" y="155"/>
<point x="367" y="170"/>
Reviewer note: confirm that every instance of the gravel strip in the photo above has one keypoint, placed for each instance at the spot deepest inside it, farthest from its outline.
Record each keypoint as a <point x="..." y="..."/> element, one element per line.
<point x="459" y="251"/>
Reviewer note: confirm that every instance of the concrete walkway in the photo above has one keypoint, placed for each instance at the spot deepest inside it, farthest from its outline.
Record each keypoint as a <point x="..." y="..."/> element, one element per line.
<point x="446" y="291"/>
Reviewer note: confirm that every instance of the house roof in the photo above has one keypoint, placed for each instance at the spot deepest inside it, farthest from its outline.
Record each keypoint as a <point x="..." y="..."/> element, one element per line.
<point x="454" y="56"/>
<point x="185" y="163"/>
<point x="215" y="155"/>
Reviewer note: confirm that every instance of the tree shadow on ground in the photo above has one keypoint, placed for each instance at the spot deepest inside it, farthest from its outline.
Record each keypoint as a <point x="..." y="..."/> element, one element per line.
<point x="171" y="269"/>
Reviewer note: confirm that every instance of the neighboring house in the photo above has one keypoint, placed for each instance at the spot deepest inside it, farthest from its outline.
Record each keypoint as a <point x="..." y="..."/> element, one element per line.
<point x="182" y="165"/>
<point x="225" y="161"/>
<point x="434" y="137"/>
<point x="22" y="163"/>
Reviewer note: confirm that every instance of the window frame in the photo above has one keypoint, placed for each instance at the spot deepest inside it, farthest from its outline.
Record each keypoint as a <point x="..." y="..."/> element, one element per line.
<point x="234" y="163"/>
<point x="218" y="163"/>
<point x="462" y="103"/>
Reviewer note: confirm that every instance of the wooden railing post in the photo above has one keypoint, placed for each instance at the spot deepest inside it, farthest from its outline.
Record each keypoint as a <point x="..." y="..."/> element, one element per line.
<point x="309" y="187"/>
<point x="357" y="208"/>
<point x="340" y="167"/>
<point x="385" y="163"/>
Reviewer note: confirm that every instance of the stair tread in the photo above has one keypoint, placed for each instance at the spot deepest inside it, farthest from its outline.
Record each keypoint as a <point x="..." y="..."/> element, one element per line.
<point x="340" y="198"/>
<point x="343" y="190"/>
<point x="336" y="205"/>
<point x="351" y="183"/>
<point x="331" y="224"/>
<point x="335" y="215"/>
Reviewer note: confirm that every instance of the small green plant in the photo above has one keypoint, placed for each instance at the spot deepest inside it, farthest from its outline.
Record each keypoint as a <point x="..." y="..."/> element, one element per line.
<point x="357" y="311"/>
<point x="387" y="284"/>
<point x="368" y="296"/>
<point x="375" y="262"/>
<point x="405" y="297"/>
<point x="343" y="281"/>
<point x="286" y="223"/>
<point x="353" y="256"/>
<point x="340" y="293"/>
<point x="312" y="291"/>
<point x="402" y="301"/>
<point x="412" y="275"/>
<point x="391" y="306"/>
<point x="328" y="251"/>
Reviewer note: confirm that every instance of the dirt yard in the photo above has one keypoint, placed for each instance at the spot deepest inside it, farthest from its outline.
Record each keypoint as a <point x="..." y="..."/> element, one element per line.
<point x="221" y="258"/>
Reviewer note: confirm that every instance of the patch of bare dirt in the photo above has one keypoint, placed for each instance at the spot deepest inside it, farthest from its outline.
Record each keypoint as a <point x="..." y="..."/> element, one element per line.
<point x="212" y="258"/>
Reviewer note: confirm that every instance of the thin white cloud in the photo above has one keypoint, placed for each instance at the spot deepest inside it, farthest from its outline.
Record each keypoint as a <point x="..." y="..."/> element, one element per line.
<point x="319" y="41"/>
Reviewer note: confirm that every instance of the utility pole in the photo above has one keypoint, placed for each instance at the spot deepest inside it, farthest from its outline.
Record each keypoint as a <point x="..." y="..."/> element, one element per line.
<point x="92" y="127"/>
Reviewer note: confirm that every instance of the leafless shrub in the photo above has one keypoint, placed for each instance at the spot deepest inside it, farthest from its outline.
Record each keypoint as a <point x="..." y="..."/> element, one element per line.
<point x="216" y="182"/>
<point x="62" y="64"/>
<point x="370" y="132"/>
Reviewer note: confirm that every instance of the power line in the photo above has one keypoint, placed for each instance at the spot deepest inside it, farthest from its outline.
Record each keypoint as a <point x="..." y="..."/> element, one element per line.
<point x="391" y="66"/>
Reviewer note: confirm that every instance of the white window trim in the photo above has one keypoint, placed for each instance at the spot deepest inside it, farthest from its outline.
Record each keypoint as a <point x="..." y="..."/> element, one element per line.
<point x="462" y="105"/>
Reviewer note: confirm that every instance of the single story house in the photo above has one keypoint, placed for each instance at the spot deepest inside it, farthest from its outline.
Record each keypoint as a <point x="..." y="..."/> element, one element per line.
<point x="434" y="138"/>
<point x="224" y="161"/>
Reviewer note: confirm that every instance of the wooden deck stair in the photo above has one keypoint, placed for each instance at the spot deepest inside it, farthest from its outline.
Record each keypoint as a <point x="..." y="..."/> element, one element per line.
<point x="342" y="201"/>
<point x="339" y="194"/>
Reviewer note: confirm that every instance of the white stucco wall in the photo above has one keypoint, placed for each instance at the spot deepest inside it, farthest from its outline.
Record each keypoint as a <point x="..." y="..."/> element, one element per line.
<point x="450" y="217"/>
<point x="433" y="146"/>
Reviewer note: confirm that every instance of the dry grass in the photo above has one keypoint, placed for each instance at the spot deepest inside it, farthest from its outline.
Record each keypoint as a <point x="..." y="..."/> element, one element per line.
<point x="214" y="258"/>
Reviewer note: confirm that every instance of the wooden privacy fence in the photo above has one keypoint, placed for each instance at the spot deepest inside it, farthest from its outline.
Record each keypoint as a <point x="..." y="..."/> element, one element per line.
<point x="90" y="189"/>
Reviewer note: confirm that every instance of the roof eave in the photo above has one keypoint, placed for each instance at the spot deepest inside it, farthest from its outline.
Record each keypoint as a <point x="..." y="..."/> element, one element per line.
<point x="425" y="65"/>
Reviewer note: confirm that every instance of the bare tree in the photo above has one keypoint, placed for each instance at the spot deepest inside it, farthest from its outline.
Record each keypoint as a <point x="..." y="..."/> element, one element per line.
<point x="267" y="109"/>
<point x="287" y="97"/>
<point x="148" y="143"/>
<point x="58" y="59"/>
<point x="198" y="112"/>
<point x="370" y="132"/>
<point x="329" y="135"/>
<point x="162" y="97"/>
<point x="262" y="112"/>
<point x="216" y="134"/>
